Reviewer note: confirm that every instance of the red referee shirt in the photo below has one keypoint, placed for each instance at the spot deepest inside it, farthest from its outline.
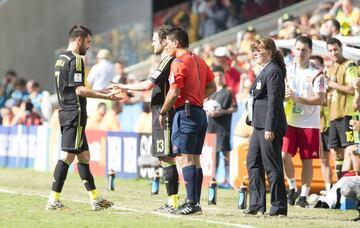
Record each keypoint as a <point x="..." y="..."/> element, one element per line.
<point x="190" y="74"/>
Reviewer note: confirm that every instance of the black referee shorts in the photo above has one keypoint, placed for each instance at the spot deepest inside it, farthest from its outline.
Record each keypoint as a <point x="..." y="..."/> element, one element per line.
<point x="73" y="139"/>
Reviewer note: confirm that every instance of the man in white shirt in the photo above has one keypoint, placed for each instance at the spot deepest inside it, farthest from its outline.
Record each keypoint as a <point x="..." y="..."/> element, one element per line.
<point x="102" y="72"/>
<point x="305" y="93"/>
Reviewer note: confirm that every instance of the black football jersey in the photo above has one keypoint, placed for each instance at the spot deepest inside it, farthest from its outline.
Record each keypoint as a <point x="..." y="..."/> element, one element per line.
<point x="69" y="73"/>
<point x="161" y="80"/>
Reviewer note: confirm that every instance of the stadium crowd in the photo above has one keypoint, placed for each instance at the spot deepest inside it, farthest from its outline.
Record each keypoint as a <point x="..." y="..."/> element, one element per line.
<point x="24" y="102"/>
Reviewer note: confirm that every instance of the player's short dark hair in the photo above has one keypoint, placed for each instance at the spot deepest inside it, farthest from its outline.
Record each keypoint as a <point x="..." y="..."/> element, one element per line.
<point x="162" y="31"/>
<point x="304" y="40"/>
<point x="79" y="30"/>
<point x="333" y="41"/>
<point x="179" y="35"/>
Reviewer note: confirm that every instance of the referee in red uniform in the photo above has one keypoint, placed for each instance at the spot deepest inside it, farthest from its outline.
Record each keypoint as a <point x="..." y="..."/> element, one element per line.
<point x="191" y="81"/>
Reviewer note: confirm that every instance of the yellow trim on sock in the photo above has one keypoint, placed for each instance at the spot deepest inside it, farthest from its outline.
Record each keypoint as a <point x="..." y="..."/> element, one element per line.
<point x="339" y="162"/>
<point x="54" y="196"/>
<point x="64" y="160"/>
<point x="167" y="164"/>
<point x="174" y="200"/>
<point x="93" y="194"/>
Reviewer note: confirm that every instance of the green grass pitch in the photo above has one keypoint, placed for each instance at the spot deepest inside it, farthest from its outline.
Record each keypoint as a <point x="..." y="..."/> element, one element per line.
<point x="23" y="196"/>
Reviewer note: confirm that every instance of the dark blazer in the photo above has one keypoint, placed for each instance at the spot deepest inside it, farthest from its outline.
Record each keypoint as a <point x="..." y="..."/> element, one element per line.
<point x="269" y="92"/>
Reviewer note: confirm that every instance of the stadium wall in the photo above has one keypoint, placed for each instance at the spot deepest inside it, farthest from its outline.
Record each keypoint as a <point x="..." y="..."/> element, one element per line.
<point x="38" y="148"/>
<point x="31" y="31"/>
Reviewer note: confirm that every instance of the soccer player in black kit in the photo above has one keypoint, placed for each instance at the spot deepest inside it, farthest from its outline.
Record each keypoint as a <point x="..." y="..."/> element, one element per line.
<point x="72" y="93"/>
<point x="161" y="148"/>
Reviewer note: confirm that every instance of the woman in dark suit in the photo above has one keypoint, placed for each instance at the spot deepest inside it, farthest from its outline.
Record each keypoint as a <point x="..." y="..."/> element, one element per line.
<point x="267" y="116"/>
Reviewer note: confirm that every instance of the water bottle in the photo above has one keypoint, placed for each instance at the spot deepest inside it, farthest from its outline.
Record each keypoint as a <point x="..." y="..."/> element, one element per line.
<point x="111" y="180"/>
<point x="155" y="184"/>
<point x="212" y="192"/>
<point x="242" y="196"/>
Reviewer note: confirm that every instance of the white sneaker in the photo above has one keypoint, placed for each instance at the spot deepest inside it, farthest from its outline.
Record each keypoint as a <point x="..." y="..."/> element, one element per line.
<point x="55" y="205"/>
<point x="101" y="204"/>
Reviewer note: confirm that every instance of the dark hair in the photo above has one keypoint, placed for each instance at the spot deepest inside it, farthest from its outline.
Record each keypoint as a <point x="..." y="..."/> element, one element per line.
<point x="333" y="41"/>
<point x="336" y="24"/>
<point x="11" y="72"/>
<point x="318" y="58"/>
<point x="162" y="31"/>
<point x="120" y="62"/>
<point x="28" y="106"/>
<point x="216" y="68"/>
<point x="180" y="35"/>
<point x="304" y="40"/>
<point x="35" y="85"/>
<point x="79" y="30"/>
<point x="269" y="44"/>
<point x="20" y="82"/>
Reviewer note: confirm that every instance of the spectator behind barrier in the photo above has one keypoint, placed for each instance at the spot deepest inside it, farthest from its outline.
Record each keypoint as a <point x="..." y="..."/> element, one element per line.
<point x="232" y="76"/>
<point x="94" y="120"/>
<point x="102" y="72"/>
<point x="29" y="117"/>
<point x="7" y="87"/>
<point x="111" y="122"/>
<point x="348" y="16"/>
<point x="143" y="124"/>
<point x="20" y="93"/>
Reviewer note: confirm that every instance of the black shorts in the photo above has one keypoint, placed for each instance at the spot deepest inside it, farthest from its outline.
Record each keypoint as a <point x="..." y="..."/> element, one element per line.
<point x="223" y="142"/>
<point x="161" y="138"/>
<point x="73" y="139"/>
<point x="325" y="140"/>
<point x="161" y="143"/>
<point x="340" y="134"/>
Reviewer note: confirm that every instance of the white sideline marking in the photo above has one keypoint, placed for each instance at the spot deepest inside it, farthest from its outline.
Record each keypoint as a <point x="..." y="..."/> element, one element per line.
<point x="8" y="191"/>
